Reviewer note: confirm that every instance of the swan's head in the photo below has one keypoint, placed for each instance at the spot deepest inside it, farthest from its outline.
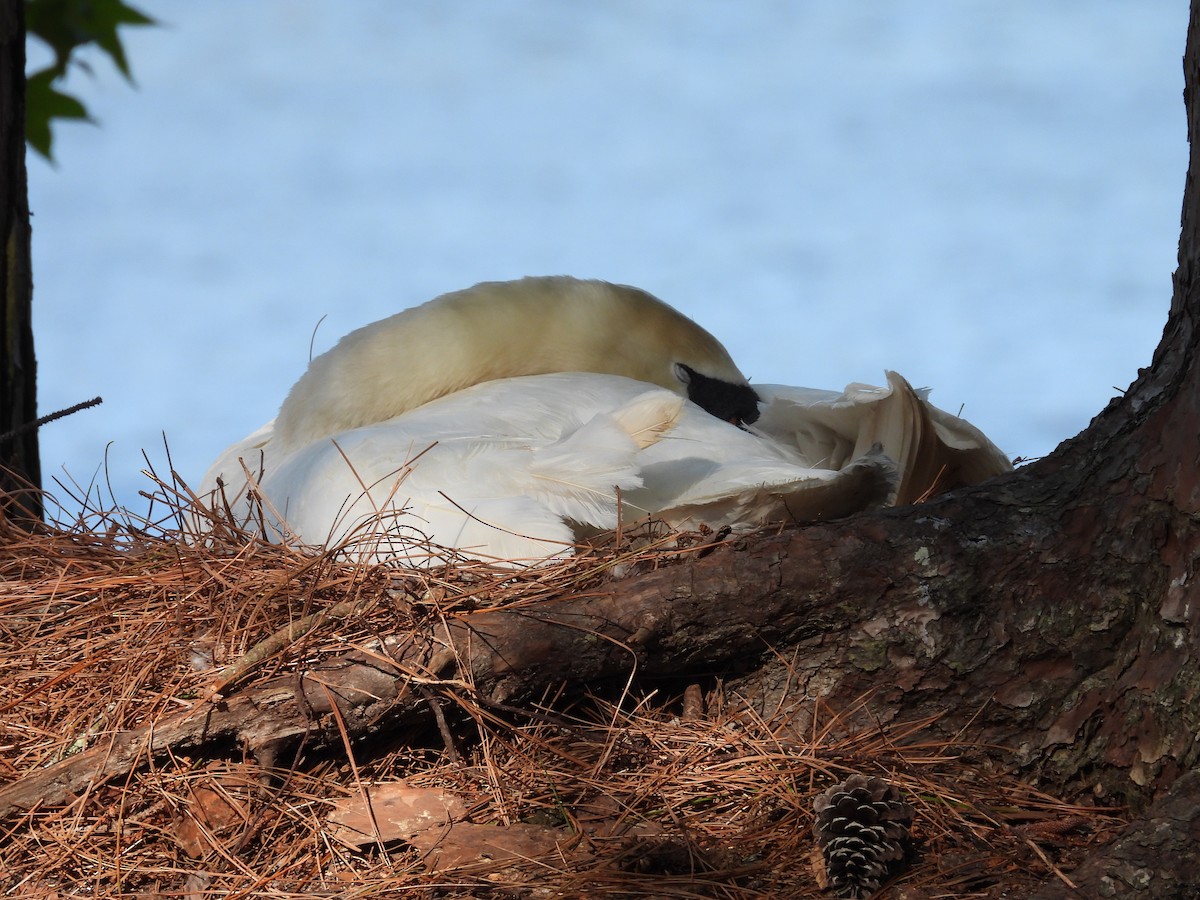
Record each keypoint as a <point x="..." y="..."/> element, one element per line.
<point x="732" y="401"/>
<point x="502" y="329"/>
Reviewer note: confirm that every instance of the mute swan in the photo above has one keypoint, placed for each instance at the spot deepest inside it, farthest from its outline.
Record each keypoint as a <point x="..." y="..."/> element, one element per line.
<point x="518" y="469"/>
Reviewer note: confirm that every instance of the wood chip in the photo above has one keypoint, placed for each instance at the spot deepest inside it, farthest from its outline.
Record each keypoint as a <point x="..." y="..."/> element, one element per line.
<point x="218" y="810"/>
<point x="392" y="811"/>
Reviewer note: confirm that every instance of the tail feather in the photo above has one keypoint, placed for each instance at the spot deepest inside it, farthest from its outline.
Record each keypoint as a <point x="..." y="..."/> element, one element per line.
<point x="933" y="450"/>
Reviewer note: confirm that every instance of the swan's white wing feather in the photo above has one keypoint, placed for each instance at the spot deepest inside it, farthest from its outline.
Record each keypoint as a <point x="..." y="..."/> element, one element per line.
<point x="505" y="469"/>
<point x="577" y="477"/>
<point x="748" y="498"/>
<point x="507" y="489"/>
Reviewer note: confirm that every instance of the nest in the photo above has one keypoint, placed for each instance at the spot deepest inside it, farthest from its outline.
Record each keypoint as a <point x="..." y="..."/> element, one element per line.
<point x="113" y="624"/>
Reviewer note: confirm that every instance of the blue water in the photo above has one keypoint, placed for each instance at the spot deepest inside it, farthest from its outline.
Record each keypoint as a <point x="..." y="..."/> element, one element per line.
<point x="983" y="195"/>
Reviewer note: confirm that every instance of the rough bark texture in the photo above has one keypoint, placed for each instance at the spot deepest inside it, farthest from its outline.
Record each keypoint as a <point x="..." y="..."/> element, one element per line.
<point x="20" y="468"/>
<point x="1158" y="856"/>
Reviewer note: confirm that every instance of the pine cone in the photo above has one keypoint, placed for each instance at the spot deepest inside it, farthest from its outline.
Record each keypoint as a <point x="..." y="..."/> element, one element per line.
<point x="862" y="830"/>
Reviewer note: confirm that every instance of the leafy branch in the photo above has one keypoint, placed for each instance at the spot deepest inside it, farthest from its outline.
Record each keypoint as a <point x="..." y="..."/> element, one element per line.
<point x="65" y="26"/>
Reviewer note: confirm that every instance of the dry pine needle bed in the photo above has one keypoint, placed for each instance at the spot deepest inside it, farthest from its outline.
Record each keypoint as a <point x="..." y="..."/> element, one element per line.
<point x="628" y="790"/>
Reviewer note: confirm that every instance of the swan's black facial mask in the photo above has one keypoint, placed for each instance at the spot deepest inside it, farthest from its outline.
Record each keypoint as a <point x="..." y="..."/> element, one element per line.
<point x="736" y="403"/>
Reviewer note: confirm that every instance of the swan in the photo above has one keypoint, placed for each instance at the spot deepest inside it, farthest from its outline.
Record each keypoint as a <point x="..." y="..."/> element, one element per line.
<point x="508" y="462"/>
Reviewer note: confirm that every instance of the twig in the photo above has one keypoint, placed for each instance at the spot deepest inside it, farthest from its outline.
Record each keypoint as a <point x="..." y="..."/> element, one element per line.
<point x="704" y="549"/>
<point x="38" y="423"/>
<point x="267" y="648"/>
<point x="1051" y="866"/>
<point x="435" y="704"/>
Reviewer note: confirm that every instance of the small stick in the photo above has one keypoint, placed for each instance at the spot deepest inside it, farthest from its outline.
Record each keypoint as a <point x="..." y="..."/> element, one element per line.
<point x="267" y="648"/>
<point x="693" y="703"/>
<point x="435" y="704"/>
<point x="38" y="423"/>
<point x="1053" y="868"/>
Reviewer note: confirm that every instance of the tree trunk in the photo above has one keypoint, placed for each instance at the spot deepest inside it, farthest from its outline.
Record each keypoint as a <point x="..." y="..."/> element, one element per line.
<point x="20" y="469"/>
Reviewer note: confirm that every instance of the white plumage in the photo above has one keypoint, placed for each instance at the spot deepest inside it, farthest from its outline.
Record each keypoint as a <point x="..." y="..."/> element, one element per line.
<point x="516" y="458"/>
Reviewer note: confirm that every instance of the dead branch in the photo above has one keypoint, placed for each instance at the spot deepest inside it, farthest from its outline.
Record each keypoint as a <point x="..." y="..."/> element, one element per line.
<point x="46" y="419"/>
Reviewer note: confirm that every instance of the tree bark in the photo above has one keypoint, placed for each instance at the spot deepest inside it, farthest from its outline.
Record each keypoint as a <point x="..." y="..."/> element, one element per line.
<point x="1157" y="856"/>
<point x="20" y="468"/>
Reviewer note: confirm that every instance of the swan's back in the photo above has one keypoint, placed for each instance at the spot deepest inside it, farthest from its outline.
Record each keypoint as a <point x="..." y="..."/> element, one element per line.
<point x="496" y="330"/>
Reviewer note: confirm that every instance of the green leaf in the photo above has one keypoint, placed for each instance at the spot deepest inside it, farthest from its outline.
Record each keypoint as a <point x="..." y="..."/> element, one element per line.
<point x="108" y="14"/>
<point x="66" y="25"/>
<point x="42" y="104"/>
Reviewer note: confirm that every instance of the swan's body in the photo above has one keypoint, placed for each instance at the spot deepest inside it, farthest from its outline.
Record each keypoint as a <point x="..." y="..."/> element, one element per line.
<point x="519" y="469"/>
<point x="412" y="433"/>
<point x="490" y="470"/>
